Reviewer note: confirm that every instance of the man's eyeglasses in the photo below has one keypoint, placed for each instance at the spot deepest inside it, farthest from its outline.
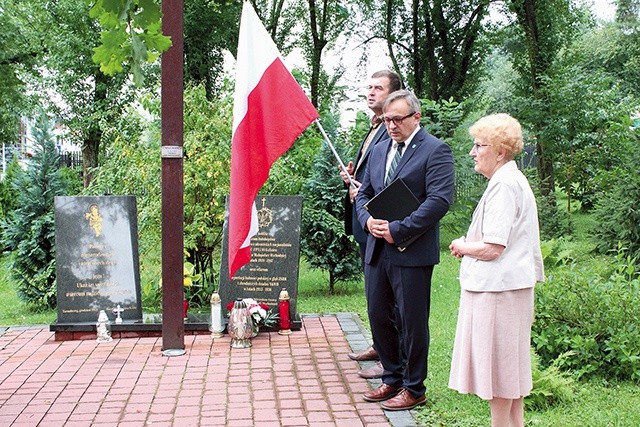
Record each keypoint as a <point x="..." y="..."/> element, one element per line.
<point x="397" y="120"/>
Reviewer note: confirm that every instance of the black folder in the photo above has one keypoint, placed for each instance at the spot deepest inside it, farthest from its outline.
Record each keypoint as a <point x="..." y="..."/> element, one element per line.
<point x="395" y="202"/>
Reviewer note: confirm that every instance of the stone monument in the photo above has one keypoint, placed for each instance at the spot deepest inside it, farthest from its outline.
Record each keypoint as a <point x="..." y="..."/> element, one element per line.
<point x="97" y="265"/>
<point x="275" y="256"/>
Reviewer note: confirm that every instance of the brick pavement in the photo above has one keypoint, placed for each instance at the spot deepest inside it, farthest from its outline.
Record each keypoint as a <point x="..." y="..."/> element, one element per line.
<point x="304" y="379"/>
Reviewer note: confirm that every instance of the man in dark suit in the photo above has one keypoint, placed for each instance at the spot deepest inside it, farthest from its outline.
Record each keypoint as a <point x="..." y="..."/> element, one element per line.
<point x="397" y="277"/>
<point x="382" y="83"/>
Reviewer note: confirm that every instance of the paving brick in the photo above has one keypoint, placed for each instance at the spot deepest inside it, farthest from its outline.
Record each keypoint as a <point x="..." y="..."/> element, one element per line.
<point x="304" y="379"/>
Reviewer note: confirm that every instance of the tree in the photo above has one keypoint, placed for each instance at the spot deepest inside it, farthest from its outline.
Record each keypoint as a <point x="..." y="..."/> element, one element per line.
<point x="19" y="51"/>
<point x="592" y="109"/>
<point x="628" y="12"/>
<point x="89" y="98"/>
<point x="616" y="47"/>
<point x="132" y="36"/>
<point x="324" y="242"/>
<point x="29" y="230"/>
<point x="61" y="37"/>
<point x="8" y="191"/>
<point x="545" y="27"/>
<point x="325" y="22"/>
<point x="616" y="212"/>
<point x="436" y="44"/>
<point x="209" y="29"/>
<point x="207" y="171"/>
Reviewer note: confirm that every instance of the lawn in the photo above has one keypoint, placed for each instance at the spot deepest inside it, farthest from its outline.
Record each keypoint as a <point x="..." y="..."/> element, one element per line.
<point x="597" y="403"/>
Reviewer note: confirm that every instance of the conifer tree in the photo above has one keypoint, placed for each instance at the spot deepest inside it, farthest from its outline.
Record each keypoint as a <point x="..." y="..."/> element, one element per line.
<point x="324" y="242"/>
<point x="28" y="231"/>
<point x="8" y="193"/>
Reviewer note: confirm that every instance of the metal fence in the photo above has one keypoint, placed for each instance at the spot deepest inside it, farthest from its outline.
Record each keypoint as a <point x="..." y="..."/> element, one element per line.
<point x="71" y="160"/>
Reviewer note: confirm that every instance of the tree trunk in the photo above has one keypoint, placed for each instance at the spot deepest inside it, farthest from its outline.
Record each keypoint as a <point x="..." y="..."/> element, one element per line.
<point x="317" y="31"/>
<point x="538" y="64"/>
<point x="91" y="143"/>
<point x="90" y="149"/>
<point x="431" y="82"/>
<point x="416" y="56"/>
<point x="274" y="16"/>
<point x="389" y="37"/>
<point x="441" y="47"/>
<point x="332" y="282"/>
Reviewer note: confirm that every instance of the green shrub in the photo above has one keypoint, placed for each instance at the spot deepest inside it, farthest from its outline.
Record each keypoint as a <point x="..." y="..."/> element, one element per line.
<point x="551" y="386"/>
<point x="8" y="191"/>
<point x="617" y="213"/>
<point x="589" y="316"/>
<point x="564" y="251"/>
<point x="440" y="118"/>
<point x="554" y="222"/>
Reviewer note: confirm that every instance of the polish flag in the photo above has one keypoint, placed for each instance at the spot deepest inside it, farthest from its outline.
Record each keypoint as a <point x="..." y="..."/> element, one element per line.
<point x="270" y="111"/>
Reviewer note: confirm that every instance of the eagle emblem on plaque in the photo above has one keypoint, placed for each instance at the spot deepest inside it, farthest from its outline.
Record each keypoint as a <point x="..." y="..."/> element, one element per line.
<point x="265" y="215"/>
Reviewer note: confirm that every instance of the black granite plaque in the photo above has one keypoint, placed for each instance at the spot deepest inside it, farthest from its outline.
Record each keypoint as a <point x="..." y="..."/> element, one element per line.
<point x="275" y="255"/>
<point x="97" y="265"/>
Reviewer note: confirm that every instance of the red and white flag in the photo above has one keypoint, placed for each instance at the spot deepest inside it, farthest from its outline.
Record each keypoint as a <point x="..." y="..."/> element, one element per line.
<point x="270" y="111"/>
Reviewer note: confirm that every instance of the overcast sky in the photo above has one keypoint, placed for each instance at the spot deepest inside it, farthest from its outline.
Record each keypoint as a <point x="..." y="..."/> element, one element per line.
<point x="604" y="9"/>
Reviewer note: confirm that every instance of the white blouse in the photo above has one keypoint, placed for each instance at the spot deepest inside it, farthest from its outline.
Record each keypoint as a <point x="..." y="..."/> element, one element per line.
<point x="506" y="215"/>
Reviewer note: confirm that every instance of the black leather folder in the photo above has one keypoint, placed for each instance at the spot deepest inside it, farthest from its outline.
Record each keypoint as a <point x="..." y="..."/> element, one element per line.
<point x="395" y="202"/>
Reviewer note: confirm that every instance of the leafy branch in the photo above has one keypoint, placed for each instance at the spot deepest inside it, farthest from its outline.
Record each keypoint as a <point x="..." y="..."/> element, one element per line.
<point x="132" y="35"/>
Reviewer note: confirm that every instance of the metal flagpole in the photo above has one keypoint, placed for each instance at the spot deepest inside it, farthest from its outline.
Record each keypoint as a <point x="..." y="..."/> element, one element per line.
<point x="335" y="153"/>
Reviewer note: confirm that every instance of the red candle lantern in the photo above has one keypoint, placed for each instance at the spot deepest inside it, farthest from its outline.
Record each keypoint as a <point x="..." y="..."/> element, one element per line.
<point x="185" y="308"/>
<point x="283" y="312"/>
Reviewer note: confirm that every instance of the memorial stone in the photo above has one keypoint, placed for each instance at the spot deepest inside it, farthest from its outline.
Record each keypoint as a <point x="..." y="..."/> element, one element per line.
<point x="97" y="265"/>
<point x="275" y="255"/>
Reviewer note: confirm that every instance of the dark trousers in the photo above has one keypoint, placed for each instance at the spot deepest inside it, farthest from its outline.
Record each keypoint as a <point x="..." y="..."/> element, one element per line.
<point x="408" y="288"/>
<point x="362" y="249"/>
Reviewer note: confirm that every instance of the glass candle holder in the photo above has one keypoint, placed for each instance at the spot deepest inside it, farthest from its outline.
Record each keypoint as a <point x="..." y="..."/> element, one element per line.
<point x="284" y="312"/>
<point x="103" y="328"/>
<point x="240" y="325"/>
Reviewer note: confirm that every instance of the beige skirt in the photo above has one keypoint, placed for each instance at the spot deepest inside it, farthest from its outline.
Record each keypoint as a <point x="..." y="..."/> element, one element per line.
<point x="491" y="352"/>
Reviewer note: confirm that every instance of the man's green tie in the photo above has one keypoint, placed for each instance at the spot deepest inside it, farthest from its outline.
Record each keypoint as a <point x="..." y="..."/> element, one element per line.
<point x="394" y="162"/>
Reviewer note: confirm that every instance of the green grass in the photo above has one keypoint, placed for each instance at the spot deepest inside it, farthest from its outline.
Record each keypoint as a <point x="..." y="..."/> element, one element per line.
<point x="596" y="403"/>
<point x="13" y="311"/>
<point x="313" y="294"/>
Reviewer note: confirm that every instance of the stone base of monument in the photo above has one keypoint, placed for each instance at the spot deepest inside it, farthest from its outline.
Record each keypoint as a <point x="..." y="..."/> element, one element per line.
<point x="150" y="326"/>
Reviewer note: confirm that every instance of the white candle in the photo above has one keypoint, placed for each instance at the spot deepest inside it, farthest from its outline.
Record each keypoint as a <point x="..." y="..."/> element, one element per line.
<point x="216" y="318"/>
<point x="215" y="326"/>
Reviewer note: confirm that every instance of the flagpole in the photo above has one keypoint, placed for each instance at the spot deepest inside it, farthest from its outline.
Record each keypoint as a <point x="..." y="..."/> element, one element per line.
<point x="335" y="153"/>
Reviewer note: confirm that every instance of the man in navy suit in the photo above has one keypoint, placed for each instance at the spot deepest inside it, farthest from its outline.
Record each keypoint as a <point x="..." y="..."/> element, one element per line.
<point x="382" y="83"/>
<point x="397" y="277"/>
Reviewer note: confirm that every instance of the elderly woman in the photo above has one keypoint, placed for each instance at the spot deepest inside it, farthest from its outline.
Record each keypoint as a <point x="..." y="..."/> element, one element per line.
<point x="501" y="262"/>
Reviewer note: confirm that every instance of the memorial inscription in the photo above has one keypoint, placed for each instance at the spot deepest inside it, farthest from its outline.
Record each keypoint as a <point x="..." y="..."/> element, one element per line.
<point x="275" y="255"/>
<point x="97" y="266"/>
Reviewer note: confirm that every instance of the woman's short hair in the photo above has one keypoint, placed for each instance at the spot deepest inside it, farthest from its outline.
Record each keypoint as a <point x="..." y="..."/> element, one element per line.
<point x="499" y="130"/>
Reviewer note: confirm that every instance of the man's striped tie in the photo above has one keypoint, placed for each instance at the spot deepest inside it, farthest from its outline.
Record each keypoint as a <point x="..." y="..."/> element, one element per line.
<point x="394" y="162"/>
